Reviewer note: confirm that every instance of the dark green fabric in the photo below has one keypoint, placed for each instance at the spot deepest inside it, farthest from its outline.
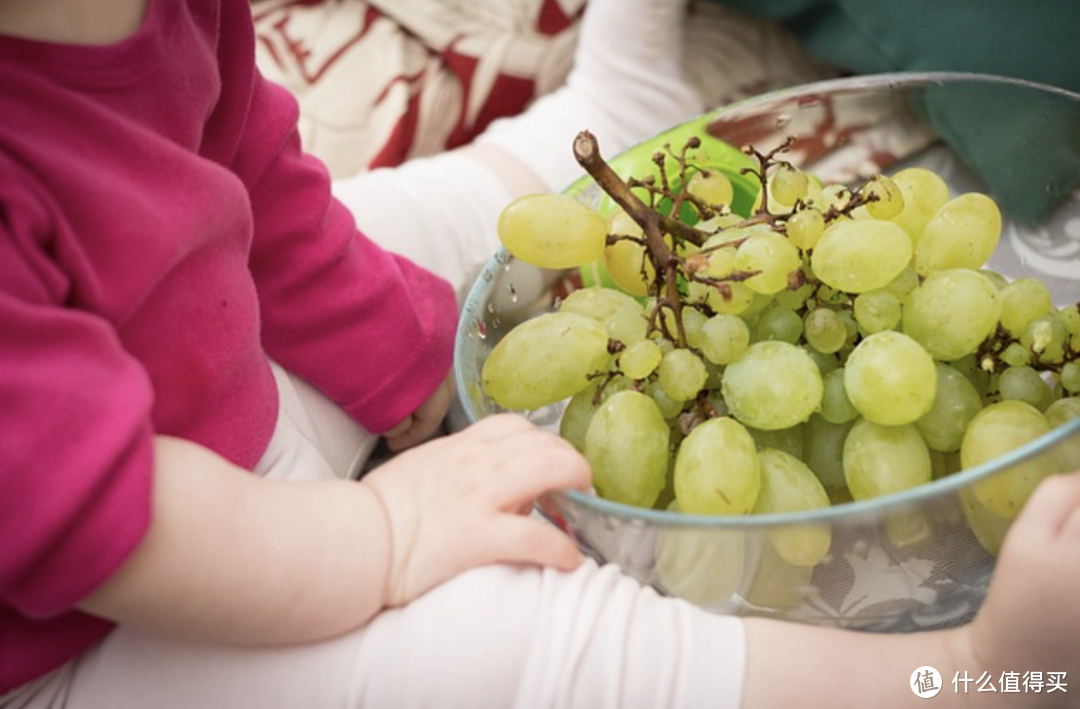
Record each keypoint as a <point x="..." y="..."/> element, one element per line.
<point x="1038" y="40"/>
<point x="1023" y="143"/>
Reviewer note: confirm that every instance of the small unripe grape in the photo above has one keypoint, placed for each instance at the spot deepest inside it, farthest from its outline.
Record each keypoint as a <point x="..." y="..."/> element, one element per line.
<point x="721" y="262"/>
<point x="877" y="310"/>
<point x="1070" y="377"/>
<point x="805" y="227"/>
<point x="640" y="359"/>
<point x="724" y="337"/>
<point x="711" y="186"/>
<point x="779" y="324"/>
<point x="788" y="185"/>
<point x="682" y="374"/>
<point x="890" y="200"/>
<point x="1022" y="384"/>
<point x="625" y="259"/>
<point x="825" y="330"/>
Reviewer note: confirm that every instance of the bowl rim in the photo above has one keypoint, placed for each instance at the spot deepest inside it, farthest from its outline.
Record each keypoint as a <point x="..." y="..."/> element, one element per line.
<point x="846" y="511"/>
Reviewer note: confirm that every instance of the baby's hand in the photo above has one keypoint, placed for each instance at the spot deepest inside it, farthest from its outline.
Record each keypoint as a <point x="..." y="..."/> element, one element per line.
<point x="1031" y="618"/>
<point x="464" y="500"/>
<point x="423" y="422"/>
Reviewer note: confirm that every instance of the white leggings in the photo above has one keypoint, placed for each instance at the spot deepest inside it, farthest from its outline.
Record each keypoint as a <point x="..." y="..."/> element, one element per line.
<point x="503" y="637"/>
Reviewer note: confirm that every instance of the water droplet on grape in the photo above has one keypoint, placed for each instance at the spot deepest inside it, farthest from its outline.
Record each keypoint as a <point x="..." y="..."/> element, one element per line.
<point x="783" y="119"/>
<point x="481" y="329"/>
<point x="513" y="292"/>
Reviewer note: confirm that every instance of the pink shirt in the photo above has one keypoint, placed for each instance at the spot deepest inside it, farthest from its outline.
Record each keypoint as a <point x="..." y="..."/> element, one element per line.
<point x="161" y="234"/>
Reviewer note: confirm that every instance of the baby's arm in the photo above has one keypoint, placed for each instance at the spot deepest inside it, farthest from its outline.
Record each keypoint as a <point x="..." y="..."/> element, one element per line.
<point x="231" y="557"/>
<point x="1030" y="621"/>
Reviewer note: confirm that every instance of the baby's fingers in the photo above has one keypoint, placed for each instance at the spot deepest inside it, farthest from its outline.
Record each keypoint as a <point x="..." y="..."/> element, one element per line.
<point x="1053" y="510"/>
<point x="528" y="540"/>
<point x="551" y="465"/>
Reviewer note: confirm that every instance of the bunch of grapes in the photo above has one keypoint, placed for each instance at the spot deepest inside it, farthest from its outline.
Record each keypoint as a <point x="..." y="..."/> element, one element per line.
<point x="833" y="343"/>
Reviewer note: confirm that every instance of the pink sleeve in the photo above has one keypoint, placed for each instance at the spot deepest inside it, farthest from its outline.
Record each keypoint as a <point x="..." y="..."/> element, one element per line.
<point x="76" y="445"/>
<point x="371" y="330"/>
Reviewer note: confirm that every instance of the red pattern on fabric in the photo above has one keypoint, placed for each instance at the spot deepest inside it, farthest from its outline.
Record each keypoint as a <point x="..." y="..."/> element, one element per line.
<point x="552" y="20"/>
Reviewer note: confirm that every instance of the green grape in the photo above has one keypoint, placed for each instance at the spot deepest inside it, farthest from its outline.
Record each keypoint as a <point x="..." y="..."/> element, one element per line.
<point x="620" y="314"/>
<point x="1070" y="318"/>
<point x="777" y="585"/>
<point x="1070" y="377"/>
<point x="1022" y="301"/>
<point x="836" y="407"/>
<point x="890" y="379"/>
<point x="905" y="282"/>
<point x="860" y="255"/>
<point x="772" y="257"/>
<point x="882" y="460"/>
<point x="996" y="278"/>
<point x="823" y="446"/>
<point x="825" y="330"/>
<point x="552" y="231"/>
<point x="1058" y="413"/>
<point x="999" y="428"/>
<point x="943" y="464"/>
<point x="834" y="196"/>
<point x="711" y="186"/>
<point x="956" y="402"/>
<point x="789" y="440"/>
<point x="682" y="374"/>
<point x="627" y="448"/>
<point x="1022" y="384"/>
<point x="889" y="200"/>
<point x="627" y="265"/>
<point x="906" y="527"/>
<point x="848" y="318"/>
<point x="952" y="312"/>
<point x="772" y="385"/>
<point x="717" y="470"/>
<point x="805" y="227"/>
<point x="703" y="566"/>
<point x="625" y="260"/>
<point x="721" y="262"/>
<point x="719" y="224"/>
<point x="826" y="362"/>
<point x="963" y="233"/>
<point x="969" y="366"/>
<point x="670" y="408"/>
<point x="738" y="300"/>
<point x="794" y="299"/>
<point x="779" y="324"/>
<point x="577" y="416"/>
<point x="788" y="485"/>
<point x="1045" y="336"/>
<point x="640" y="359"/>
<point x="1063" y="410"/>
<point x="693" y="322"/>
<point x="924" y="193"/>
<point x="877" y="310"/>
<point x="723" y="338"/>
<point x="1015" y="355"/>
<point x="579" y="410"/>
<point x="788" y="185"/>
<point x="988" y="528"/>
<point x="545" y="360"/>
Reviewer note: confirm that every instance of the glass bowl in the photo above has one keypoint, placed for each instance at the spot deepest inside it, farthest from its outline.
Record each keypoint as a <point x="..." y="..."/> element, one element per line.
<point x="904" y="562"/>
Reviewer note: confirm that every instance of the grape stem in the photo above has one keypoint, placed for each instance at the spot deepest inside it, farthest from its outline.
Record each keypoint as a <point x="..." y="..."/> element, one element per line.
<point x="653" y="225"/>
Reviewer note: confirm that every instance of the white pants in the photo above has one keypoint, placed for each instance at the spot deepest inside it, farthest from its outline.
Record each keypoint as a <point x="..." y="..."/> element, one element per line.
<point x="502" y="637"/>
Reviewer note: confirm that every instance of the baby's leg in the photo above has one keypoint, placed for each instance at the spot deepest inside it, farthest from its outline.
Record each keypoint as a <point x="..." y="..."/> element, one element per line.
<point x="499" y="637"/>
